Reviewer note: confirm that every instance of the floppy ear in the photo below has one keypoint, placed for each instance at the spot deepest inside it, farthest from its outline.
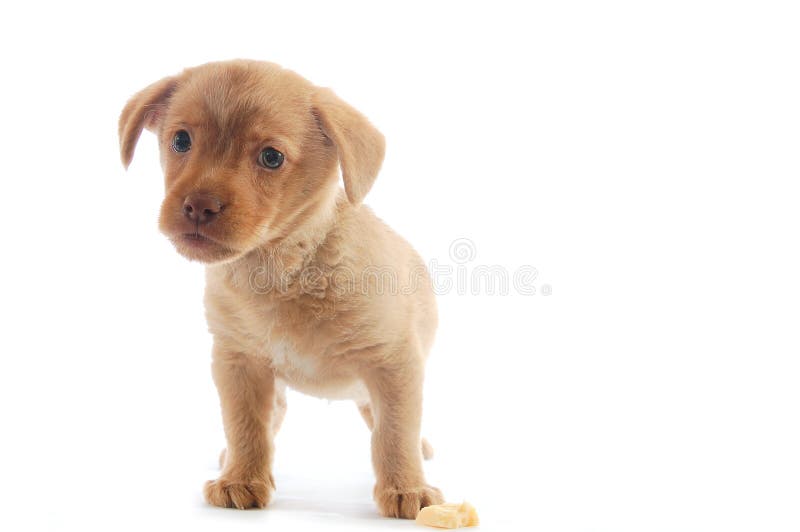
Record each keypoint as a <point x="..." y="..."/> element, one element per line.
<point x="144" y="110"/>
<point x="359" y="145"/>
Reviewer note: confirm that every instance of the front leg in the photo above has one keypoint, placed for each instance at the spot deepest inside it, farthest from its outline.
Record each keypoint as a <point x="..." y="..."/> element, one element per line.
<point x="246" y="387"/>
<point x="396" y="397"/>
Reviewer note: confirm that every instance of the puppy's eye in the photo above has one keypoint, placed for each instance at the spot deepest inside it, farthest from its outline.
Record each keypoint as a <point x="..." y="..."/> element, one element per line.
<point x="181" y="142"/>
<point x="270" y="158"/>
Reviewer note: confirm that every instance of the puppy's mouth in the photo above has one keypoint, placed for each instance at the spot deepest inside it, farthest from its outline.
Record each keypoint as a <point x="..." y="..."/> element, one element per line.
<point x="197" y="238"/>
<point x="200" y="247"/>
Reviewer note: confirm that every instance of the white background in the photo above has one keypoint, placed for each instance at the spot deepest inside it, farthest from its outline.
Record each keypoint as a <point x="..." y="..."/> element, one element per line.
<point x="642" y="156"/>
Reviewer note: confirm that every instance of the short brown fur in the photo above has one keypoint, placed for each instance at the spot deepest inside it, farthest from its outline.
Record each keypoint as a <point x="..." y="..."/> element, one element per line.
<point x="337" y="332"/>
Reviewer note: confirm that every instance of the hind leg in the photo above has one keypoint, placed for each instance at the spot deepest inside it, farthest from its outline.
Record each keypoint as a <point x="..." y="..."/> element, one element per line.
<point x="279" y="409"/>
<point x="366" y="412"/>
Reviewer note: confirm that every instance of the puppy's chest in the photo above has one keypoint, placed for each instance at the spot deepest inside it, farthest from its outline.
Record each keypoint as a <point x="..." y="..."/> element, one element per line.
<point x="301" y="347"/>
<point x="289" y="344"/>
<point x="289" y="361"/>
<point x="300" y="353"/>
<point x="308" y="370"/>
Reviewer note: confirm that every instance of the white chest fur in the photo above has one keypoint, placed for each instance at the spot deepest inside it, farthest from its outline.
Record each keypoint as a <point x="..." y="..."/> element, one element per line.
<point x="307" y="373"/>
<point x="288" y="361"/>
<point x="261" y="326"/>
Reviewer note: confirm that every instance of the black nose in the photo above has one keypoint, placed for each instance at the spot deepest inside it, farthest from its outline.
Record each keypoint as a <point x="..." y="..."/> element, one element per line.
<point x="201" y="208"/>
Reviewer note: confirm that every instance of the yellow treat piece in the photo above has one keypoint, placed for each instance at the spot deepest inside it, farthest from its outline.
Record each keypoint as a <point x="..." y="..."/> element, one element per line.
<point x="448" y="515"/>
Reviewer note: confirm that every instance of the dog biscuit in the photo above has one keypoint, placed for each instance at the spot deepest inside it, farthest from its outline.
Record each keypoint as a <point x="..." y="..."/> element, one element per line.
<point x="448" y="515"/>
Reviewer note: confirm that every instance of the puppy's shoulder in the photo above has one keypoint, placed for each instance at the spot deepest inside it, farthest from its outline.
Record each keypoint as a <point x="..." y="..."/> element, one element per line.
<point x="365" y="239"/>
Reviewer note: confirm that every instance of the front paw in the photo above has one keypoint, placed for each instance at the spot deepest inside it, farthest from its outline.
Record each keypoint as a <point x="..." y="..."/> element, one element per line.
<point x="405" y="503"/>
<point x="239" y="494"/>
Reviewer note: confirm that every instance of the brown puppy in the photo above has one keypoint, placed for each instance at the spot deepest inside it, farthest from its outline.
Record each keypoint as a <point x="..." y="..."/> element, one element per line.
<point x="305" y="287"/>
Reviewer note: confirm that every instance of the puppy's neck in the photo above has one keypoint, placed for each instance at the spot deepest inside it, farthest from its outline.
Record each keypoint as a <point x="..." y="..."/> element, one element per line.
<point x="310" y="227"/>
<point x="281" y="259"/>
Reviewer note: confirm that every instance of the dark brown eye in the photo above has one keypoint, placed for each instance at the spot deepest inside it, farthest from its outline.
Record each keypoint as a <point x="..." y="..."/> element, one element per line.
<point x="270" y="158"/>
<point x="181" y="142"/>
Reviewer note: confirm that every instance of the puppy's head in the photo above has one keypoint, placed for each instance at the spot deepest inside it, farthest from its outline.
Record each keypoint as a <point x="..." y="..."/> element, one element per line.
<point x="250" y="152"/>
